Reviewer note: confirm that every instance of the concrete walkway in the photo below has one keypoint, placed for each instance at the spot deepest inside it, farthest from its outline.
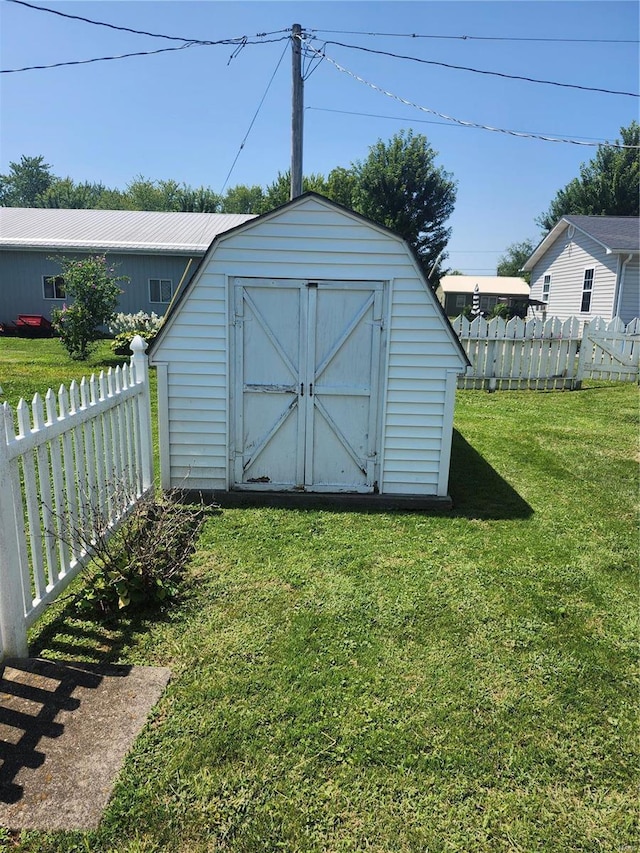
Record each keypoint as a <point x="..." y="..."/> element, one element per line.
<point x="65" y="729"/>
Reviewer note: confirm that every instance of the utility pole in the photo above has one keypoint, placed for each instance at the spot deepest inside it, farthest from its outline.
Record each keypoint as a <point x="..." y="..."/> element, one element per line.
<point x="297" y="108"/>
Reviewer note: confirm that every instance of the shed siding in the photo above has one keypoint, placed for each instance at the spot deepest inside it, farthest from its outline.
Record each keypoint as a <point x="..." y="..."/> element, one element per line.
<point x="566" y="261"/>
<point x="629" y="305"/>
<point x="21" y="281"/>
<point x="310" y="242"/>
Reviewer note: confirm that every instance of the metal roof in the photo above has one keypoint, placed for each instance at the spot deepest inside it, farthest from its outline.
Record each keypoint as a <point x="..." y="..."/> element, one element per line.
<point x="113" y="230"/>
<point x="503" y="285"/>
<point x="616" y="234"/>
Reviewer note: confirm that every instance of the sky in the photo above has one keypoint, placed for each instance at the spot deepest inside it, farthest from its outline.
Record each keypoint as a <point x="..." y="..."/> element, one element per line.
<point x="183" y="114"/>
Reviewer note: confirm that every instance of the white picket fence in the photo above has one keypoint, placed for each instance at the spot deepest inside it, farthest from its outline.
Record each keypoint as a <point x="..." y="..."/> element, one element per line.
<point x="82" y="455"/>
<point x="544" y="354"/>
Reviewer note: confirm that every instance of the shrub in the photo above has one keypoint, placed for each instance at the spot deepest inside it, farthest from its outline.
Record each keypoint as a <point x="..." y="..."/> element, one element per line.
<point x="94" y="288"/>
<point x="141" y="565"/>
<point x="126" y="326"/>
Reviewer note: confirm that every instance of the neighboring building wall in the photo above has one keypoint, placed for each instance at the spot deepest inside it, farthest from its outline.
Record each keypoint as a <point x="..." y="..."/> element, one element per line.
<point x="629" y="303"/>
<point x="452" y="306"/>
<point x="566" y="262"/>
<point x="311" y="241"/>
<point x="21" y="281"/>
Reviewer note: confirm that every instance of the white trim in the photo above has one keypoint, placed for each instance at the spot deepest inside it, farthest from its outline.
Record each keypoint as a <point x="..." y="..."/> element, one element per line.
<point x="622" y="266"/>
<point x="385" y="354"/>
<point x="584" y="290"/>
<point x="162" y="371"/>
<point x="229" y="360"/>
<point x="52" y="298"/>
<point x="447" y="433"/>
<point x="160" y="301"/>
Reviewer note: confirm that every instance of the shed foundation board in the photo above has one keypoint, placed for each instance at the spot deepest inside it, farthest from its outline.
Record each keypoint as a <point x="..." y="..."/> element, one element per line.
<point x="336" y="502"/>
<point x="65" y="731"/>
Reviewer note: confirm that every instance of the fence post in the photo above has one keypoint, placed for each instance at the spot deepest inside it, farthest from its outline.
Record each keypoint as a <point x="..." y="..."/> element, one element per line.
<point x="582" y="357"/>
<point x="140" y="364"/>
<point x="13" y="627"/>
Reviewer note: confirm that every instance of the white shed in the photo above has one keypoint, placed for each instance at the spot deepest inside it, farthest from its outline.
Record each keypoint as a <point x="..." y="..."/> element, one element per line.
<point x="308" y="354"/>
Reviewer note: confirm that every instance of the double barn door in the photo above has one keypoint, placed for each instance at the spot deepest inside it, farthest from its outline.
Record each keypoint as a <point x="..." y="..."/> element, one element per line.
<point x="307" y="366"/>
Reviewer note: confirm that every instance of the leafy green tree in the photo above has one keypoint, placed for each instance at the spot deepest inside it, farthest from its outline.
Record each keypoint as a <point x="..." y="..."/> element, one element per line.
<point x="514" y="258"/>
<point x="243" y="199"/>
<point x="399" y="185"/>
<point x="609" y="185"/>
<point x="145" y="194"/>
<point x="94" y="287"/>
<point x="200" y="200"/>
<point x="341" y="186"/>
<point x="25" y="182"/>
<point x="65" y="193"/>
<point x="279" y="191"/>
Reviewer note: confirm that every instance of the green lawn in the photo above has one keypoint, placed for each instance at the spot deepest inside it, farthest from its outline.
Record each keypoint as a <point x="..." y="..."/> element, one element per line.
<point x="462" y="681"/>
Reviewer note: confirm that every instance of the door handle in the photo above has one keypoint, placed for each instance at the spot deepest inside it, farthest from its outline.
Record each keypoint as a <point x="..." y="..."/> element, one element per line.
<point x="311" y="389"/>
<point x="302" y="389"/>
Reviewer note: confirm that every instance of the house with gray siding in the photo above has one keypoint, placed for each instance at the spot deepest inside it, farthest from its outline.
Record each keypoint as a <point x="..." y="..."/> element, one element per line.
<point x="156" y="250"/>
<point x="587" y="267"/>
<point x="307" y="354"/>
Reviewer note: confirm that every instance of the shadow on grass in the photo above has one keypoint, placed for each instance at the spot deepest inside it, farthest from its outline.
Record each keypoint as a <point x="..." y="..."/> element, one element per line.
<point x="70" y="635"/>
<point x="477" y="490"/>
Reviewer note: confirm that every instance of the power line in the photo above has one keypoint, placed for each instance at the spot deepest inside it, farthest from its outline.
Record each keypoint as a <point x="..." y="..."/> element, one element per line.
<point x="461" y="121"/>
<point x="96" y="59"/>
<point x="136" y="53"/>
<point x="139" y="32"/>
<point x="474" y="38"/>
<point x="412" y="120"/>
<point x="481" y="71"/>
<point x="254" y="117"/>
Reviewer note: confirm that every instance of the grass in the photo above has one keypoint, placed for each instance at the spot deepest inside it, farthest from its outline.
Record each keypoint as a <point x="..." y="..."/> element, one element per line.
<point x="464" y="681"/>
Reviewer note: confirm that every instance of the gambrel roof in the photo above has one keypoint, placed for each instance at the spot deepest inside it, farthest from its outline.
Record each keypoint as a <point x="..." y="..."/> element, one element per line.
<point x="616" y="234"/>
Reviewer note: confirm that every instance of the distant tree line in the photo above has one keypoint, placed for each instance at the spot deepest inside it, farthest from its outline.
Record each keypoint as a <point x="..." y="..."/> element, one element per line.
<point x="399" y="185"/>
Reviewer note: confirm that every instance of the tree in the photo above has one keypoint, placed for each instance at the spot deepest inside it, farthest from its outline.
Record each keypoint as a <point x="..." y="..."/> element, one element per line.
<point x="609" y="185"/>
<point x="65" y="193"/>
<point x="341" y="185"/>
<point x="243" y="199"/>
<point x="279" y="191"/>
<point x="95" y="291"/>
<point x="25" y="182"/>
<point x="400" y="186"/>
<point x="513" y="260"/>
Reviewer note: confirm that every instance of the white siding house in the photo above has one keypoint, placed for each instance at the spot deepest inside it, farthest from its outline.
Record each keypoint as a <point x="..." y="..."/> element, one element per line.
<point x="307" y="354"/>
<point x="587" y="266"/>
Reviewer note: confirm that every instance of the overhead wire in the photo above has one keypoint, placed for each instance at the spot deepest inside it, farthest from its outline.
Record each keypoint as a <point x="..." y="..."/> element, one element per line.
<point x="481" y="71"/>
<point x="262" y="100"/>
<point x="475" y="38"/>
<point x="140" y="32"/>
<point x="95" y="59"/>
<point x="406" y="119"/>
<point x="462" y="122"/>
<point x="139" y="53"/>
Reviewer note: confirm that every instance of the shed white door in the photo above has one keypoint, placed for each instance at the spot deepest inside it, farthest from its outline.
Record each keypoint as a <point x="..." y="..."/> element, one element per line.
<point x="306" y="384"/>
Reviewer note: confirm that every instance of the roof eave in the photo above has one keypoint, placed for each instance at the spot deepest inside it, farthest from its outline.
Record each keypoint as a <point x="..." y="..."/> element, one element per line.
<point x="187" y="251"/>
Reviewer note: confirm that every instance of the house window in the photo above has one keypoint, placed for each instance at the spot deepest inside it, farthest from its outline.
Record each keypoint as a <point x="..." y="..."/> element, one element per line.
<point x="160" y="290"/>
<point x="53" y="286"/>
<point x="587" y="290"/>
<point x="488" y="303"/>
<point x="546" y="285"/>
<point x="461" y="300"/>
